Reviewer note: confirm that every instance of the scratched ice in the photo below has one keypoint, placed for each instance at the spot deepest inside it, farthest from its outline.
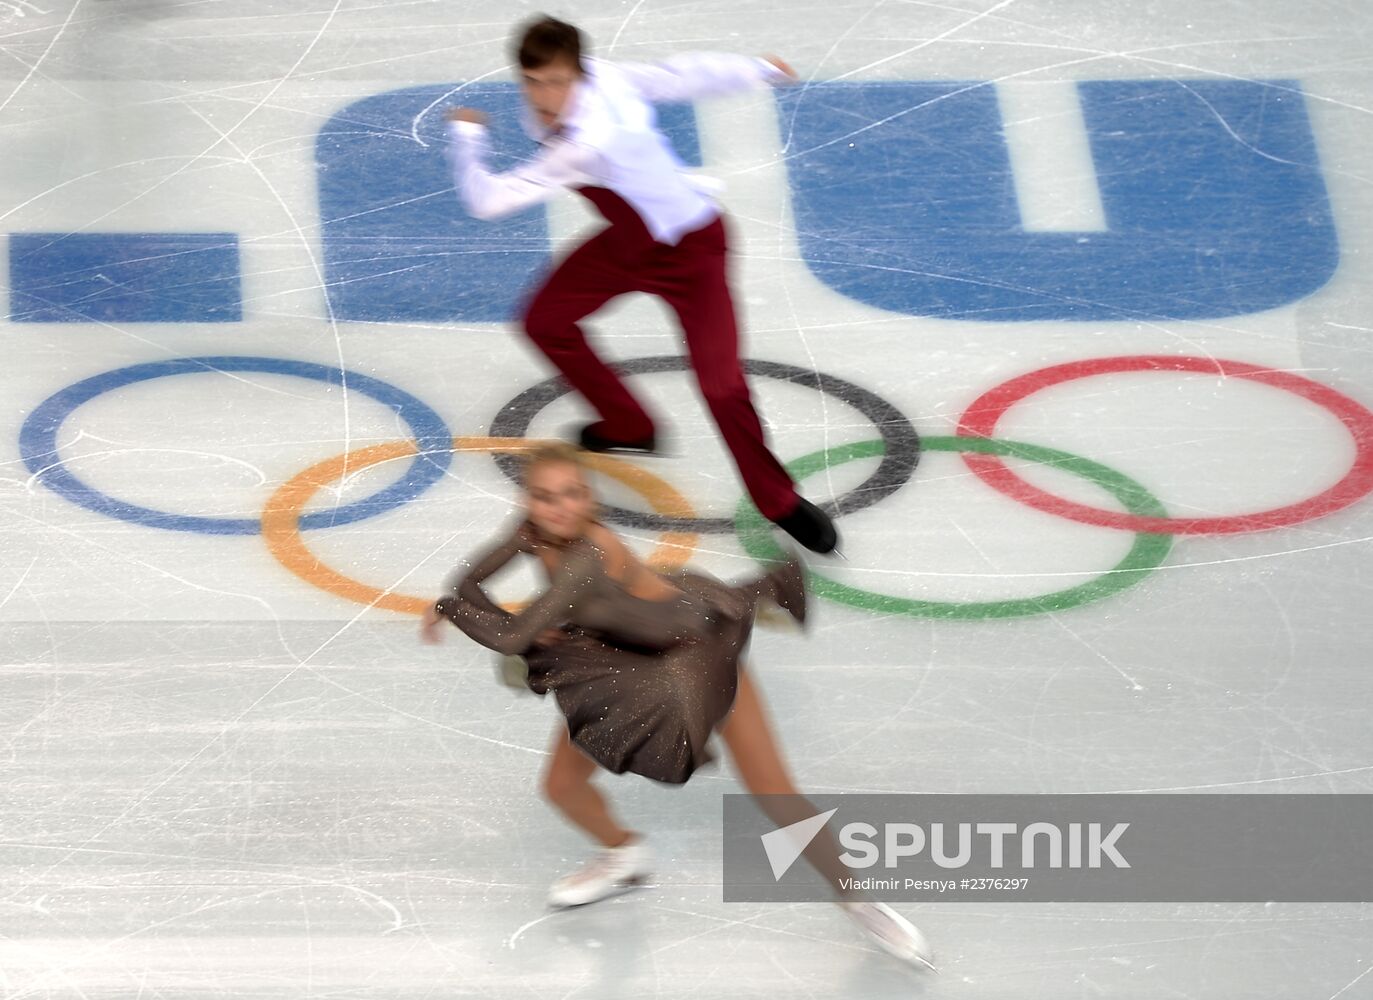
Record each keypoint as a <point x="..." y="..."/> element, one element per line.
<point x="225" y="775"/>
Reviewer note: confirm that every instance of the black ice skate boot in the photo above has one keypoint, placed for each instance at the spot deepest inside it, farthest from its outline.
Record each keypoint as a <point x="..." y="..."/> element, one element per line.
<point x="592" y="438"/>
<point x="810" y="526"/>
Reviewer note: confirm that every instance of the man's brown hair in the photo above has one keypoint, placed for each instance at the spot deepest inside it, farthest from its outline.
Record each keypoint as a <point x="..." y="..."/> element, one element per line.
<point x="545" y="40"/>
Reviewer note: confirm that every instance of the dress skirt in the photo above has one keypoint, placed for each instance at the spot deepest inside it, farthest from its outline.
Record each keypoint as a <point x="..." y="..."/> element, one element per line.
<point x="651" y="713"/>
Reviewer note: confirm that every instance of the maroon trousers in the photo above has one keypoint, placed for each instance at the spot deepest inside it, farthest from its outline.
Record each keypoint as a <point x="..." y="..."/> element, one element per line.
<point x="691" y="278"/>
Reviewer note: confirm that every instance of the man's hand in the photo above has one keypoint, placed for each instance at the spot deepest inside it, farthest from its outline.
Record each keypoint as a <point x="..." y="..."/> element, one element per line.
<point x="429" y="627"/>
<point x="784" y="66"/>
<point x="466" y="115"/>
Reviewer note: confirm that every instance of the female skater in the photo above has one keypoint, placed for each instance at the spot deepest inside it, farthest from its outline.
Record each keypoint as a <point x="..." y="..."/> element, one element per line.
<point x="644" y="667"/>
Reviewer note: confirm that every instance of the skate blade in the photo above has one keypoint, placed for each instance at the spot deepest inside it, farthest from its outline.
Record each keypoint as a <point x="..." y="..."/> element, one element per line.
<point x="914" y="951"/>
<point x="632" y="452"/>
<point x="915" y="960"/>
<point x="827" y="554"/>
<point x="618" y="889"/>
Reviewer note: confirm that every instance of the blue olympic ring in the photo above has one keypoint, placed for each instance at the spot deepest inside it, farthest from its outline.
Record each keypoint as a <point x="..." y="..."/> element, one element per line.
<point x="38" y="443"/>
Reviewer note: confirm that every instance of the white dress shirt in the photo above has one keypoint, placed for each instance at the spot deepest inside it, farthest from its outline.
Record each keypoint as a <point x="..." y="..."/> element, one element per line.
<point x="608" y="137"/>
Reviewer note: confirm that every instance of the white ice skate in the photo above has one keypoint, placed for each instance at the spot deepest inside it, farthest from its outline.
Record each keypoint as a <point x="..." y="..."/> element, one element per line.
<point x="612" y="870"/>
<point x="893" y="932"/>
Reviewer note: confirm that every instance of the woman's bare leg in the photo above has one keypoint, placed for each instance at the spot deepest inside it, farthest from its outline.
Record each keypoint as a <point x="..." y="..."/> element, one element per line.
<point x="567" y="784"/>
<point x="755" y="754"/>
<point x="758" y="760"/>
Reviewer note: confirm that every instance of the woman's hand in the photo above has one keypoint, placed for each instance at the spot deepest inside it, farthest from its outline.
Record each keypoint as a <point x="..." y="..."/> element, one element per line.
<point x="429" y="627"/>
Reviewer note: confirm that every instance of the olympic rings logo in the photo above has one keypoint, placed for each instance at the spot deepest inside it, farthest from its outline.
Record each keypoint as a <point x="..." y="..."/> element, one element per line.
<point x="898" y="447"/>
<point x="282" y="518"/>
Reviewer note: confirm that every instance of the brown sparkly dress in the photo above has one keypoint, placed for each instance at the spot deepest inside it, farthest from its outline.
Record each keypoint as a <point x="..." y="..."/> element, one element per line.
<point x="643" y="683"/>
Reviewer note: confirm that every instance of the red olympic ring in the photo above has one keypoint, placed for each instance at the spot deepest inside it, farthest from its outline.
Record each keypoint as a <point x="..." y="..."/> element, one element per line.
<point x="981" y="417"/>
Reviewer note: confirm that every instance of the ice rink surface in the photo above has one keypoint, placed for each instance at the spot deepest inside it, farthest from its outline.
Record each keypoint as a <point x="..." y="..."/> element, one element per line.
<point x="1125" y="241"/>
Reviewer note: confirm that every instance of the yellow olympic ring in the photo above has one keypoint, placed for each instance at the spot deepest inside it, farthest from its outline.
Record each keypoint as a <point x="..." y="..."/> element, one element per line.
<point x="281" y="517"/>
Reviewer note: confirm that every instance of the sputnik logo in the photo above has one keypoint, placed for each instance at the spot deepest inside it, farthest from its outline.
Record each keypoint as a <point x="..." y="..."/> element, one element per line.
<point x="785" y="845"/>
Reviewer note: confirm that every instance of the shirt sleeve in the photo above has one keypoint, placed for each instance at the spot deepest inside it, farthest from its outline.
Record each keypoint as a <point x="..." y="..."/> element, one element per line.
<point x="700" y="74"/>
<point x="485" y="195"/>
<point x="515" y="633"/>
<point x="466" y="580"/>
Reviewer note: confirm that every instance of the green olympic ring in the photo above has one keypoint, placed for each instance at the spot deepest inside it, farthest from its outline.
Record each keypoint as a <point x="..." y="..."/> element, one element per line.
<point x="1147" y="553"/>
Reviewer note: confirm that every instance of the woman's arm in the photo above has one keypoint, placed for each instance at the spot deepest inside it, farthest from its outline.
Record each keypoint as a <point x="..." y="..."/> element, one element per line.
<point x="513" y="634"/>
<point x="466" y="580"/>
<point x="465" y="583"/>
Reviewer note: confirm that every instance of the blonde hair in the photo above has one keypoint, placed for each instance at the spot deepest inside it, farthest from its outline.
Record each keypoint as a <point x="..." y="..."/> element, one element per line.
<point x="551" y="453"/>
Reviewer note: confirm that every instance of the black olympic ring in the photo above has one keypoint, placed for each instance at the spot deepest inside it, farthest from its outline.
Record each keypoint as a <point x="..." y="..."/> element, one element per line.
<point x="899" y="457"/>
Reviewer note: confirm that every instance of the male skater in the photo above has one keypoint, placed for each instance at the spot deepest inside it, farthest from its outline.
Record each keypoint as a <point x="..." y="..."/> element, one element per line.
<point x="666" y="237"/>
